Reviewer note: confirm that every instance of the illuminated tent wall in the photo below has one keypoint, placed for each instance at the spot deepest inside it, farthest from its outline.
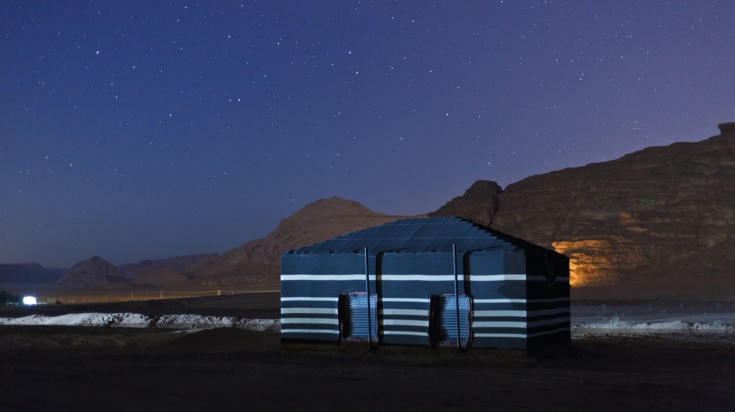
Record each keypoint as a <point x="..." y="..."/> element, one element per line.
<point x="425" y="282"/>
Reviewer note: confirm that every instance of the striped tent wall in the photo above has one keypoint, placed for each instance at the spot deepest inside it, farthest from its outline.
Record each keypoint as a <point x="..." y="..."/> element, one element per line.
<point x="511" y="309"/>
<point x="519" y="307"/>
<point x="497" y="283"/>
<point x="513" y="294"/>
<point x="405" y="285"/>
<point x="310" y="288"/>
<point x="548" y="303"/>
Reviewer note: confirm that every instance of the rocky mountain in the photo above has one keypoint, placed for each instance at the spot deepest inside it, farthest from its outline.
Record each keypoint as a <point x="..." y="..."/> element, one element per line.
<point x="657" y="222"/>
<point x="258" y="260"/>
<point x="177" y="263"/>
<point x="94" y="272"/>
<point x="161" y="276"/>
<point x="653" y="224"/>
<point x="479" y="203"/>
<point x="28" y="273"/>
<point x="254" y="263"/>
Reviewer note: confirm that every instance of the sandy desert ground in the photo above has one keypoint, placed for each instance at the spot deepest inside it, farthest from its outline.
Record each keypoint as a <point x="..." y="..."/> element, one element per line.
<point x="54" y="368"/>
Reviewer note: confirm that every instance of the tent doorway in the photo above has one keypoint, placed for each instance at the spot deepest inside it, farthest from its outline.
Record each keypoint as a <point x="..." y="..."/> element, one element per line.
<point x="358" y="317"/>
<point x="443" y="316"/>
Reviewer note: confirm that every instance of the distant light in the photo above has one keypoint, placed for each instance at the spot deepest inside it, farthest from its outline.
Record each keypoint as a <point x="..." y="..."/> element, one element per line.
<point x="29" y="300"/>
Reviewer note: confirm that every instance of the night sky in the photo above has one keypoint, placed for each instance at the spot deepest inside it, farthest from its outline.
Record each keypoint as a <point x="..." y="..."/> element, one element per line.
<point x="147" y="129"/>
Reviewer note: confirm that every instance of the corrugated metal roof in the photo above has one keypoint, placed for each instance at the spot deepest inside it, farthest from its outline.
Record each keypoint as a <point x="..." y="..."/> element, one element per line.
<point x="435" y="234"/>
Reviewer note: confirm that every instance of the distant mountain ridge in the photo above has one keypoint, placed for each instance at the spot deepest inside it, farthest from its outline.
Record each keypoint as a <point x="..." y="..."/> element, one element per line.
<point x="254" y="263"/>
<point x="28" y="273"/>
<point x="178" y="263"/>
<point x="258" y="260"/>
<point x="94" y="272"/>
<point x="654" y="223"/>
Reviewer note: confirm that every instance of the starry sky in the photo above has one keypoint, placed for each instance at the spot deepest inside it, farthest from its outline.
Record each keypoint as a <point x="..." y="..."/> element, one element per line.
<point x="147" y="129"/>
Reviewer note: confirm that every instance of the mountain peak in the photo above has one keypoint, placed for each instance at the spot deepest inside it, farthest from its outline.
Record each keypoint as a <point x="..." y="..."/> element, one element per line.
<point x="93" y="272"/>
<point x="727" y="129"/>
<point x="479" y="203"/>
<point x="332" y="206"/>
<point x="315" y="222"/>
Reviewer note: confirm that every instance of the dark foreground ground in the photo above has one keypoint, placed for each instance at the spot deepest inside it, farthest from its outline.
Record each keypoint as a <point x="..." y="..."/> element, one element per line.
<point x="89" y="368"/>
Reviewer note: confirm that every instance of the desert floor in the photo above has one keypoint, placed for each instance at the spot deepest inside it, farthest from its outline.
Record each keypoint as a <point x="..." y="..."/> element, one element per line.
<point x="99" y="368"/>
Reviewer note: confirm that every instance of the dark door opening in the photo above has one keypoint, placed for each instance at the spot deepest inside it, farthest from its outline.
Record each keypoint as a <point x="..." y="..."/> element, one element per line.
<point x="356" y="323"/>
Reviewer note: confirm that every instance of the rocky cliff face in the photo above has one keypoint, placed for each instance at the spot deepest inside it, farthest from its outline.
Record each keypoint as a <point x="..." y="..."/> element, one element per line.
<point x="259" y="260"/>
<point x="479" y="203"/>
<point x="94" y="272"/>
<point x="664" y="215"/>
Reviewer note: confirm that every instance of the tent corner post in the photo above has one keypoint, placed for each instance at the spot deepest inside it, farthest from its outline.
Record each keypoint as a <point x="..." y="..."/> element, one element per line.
<point x="367" y="296"/>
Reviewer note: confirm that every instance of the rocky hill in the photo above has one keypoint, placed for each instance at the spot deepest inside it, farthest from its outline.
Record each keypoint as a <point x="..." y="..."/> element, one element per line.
<point x="177" y="263"/>
<point x="653" y="224"/>
<point x="661" y="220"/>
<point x="254" y="263"/>
<point x="161" y="276"/>
<point x="94" y="272"/>
<point x="258" y="260"/>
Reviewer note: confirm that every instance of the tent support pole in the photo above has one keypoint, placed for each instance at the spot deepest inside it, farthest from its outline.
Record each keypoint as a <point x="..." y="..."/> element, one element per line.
<point x="367" y="292"/>
<point x="456" y="293"/>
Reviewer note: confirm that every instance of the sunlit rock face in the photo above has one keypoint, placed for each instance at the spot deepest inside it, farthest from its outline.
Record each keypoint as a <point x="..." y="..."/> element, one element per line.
<point x="589" y="261"/>
<point x="660" y="213"/>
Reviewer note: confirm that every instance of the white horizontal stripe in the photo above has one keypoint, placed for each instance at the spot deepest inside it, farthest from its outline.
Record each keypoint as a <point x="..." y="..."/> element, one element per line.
<point x="496" y="278"/>
<point x="500" y="313"/>
<point x="310" y="321"/>
<point x="422" y="300"/>
<point x="420" y="278"/>
<point x="519" y="313"/>
<point x="404" y="332"/>
<point x="498" y="324"/>
<point x="450" y="278"/>
<point x="308" y="299"/>
<point x="406" y="312"/>
<point x="419" y="312"/>
<point x="325" y="277"/>
<point x="321" y="311"/>
<point x="329" y="331"/>
<point x="405" y="322"/>
<point x="500" y="335"/>
<point x="412" y="277"/>
<point x="499" y="300"/>
<point x="412" y="300"/>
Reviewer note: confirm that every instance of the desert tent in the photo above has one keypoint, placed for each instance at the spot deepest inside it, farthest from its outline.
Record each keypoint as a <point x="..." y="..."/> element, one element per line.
<point x="441" y="281"/>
